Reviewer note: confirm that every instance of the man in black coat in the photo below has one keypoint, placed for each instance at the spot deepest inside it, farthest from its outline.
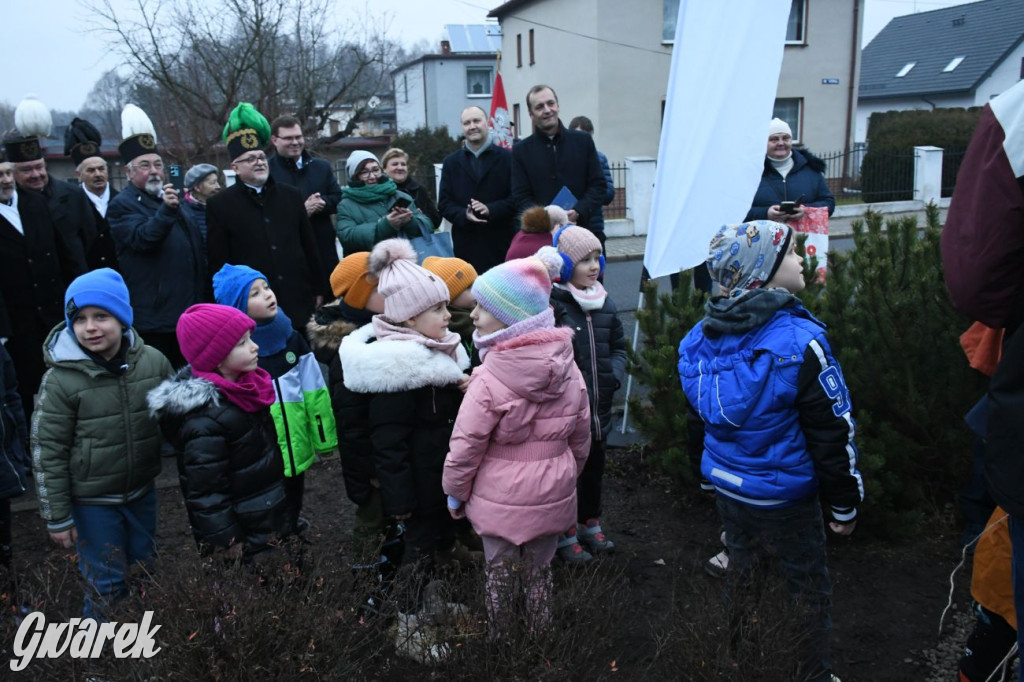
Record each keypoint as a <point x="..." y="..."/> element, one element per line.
<point x="82" y="143"/>
<point x="314" y="177"/>
<point x="38" y="264"/>
<point x="69" y="209"/>
<point x="476" y="194"/>
<point x="160" y="253"/>
<point x="263" y="224"/>
<point x="555" y="157"/>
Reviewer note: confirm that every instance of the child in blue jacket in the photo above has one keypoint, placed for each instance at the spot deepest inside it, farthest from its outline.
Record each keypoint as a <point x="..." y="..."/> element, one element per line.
<point x="759" y="372"/>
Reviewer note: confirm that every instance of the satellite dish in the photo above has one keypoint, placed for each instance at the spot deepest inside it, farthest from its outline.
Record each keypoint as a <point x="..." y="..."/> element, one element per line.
<point x="373" y="102"/>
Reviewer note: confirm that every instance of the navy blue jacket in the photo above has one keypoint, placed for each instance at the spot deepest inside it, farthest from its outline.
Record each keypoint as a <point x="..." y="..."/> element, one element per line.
<point x="776" y="411"/>
<point x="597" y="220"/>
<point x="541" y="166"/>
<point x="488" y="179"/>
<point x="805" y="180"/>
<point x="161" y="257"/>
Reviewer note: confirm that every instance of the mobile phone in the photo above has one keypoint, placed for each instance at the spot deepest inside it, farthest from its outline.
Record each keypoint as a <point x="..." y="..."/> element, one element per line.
<point x="175" y="176"/>
<point x="788" y="207"/>
<point x="400" y="202"/>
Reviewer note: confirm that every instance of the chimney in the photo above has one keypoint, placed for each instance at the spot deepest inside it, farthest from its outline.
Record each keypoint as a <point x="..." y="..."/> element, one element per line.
<point x="446" y="47"/>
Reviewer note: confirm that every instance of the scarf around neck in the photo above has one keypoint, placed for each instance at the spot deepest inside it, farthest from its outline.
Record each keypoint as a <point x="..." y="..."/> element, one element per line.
<point x="370" y="194"/>
<point x="272" y="336"/>
<point x="448" y="345"/>
<point x="542" y="320"/>
<point x="254" y="391"/>
<point x="738" y="315"/>
<point x="589" y="299"/>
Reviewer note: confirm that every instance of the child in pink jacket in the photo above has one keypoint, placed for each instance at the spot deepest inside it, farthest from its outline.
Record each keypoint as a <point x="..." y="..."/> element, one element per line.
<point x="522" y="434"/>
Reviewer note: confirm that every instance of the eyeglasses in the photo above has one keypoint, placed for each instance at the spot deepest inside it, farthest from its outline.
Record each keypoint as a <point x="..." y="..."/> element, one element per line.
<point x="255" y="158"/>
<point x="367" y="172"/>
<point x="146" y="166"/>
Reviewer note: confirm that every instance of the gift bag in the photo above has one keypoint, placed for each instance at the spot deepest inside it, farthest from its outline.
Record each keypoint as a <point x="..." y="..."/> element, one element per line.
<point x="815" y="225"/>
<point x="432" y="244"/>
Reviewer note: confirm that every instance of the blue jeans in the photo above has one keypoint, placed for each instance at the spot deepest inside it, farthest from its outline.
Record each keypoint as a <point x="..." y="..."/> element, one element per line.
<point x="1017" y="540"/>
<point x="794" y="537"/>
<point x="110" y="540"/>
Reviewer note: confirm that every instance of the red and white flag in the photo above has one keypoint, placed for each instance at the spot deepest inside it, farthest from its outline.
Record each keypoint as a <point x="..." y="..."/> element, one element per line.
<point x="984" y="232"/>
<point x="501" y="122"/>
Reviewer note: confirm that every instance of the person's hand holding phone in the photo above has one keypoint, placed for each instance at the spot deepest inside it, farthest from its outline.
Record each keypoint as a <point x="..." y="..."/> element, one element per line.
<point x="399" y="216"/>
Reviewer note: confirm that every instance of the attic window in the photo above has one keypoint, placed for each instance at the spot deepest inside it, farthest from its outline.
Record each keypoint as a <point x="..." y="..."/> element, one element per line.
<point x="906" y="69"/>
<point x="953" y="63"/>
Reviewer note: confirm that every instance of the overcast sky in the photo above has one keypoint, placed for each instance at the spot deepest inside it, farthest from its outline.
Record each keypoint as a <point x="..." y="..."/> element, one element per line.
<point x="51" y="54"/>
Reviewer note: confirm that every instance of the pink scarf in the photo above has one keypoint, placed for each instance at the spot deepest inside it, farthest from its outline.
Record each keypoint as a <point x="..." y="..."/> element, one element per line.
<point x="448" y="345"/>
<point x="591" y="298"/>
<point x="542" y="320"/>
<point x="254" y="391"/>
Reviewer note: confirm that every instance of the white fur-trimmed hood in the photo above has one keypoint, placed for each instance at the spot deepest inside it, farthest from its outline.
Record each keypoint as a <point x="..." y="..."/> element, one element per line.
<point x="385" y="366"/>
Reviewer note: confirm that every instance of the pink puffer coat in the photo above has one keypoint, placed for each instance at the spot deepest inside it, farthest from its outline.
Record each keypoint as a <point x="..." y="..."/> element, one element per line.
<point x="521" y="439"/>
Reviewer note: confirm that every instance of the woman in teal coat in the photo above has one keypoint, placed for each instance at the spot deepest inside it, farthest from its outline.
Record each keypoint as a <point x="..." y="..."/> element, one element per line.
<point x="368" y="212"/>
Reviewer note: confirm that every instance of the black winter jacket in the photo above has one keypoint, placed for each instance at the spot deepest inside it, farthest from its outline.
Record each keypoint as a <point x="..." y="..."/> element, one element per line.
<point x="414" y="399"/>
<point x="421" y="198"/>
<point x="14" y="460"/>
<point x="541" y="166"/>
<point x="599" y="346"/>
<point x="229" y="465"/>
<point x="351" y="410"/>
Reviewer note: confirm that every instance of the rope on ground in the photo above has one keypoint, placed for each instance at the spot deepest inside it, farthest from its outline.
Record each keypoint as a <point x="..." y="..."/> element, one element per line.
<point x="963" y="560"/>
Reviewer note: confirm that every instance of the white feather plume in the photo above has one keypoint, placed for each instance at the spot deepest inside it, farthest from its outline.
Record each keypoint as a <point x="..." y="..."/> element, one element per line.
<point x="32" y="118"/>
<point x="134" y="121"/>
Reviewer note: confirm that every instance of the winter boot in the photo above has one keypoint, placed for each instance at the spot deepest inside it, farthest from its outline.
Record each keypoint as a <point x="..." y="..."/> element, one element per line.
<point x="570" y="550"/>
<point x="593" y="538"/>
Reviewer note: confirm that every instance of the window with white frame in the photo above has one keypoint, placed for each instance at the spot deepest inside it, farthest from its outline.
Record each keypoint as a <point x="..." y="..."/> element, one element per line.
<point x="478" y="82"/>
<point x="790" y="110"/>
<point x="796" y="27"/>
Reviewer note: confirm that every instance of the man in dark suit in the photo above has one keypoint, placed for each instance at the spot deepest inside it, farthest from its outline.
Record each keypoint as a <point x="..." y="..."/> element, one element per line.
<point x="82" y="143"/>
<point x="263" y="224"/>
<point x="37" y="266"/>
<point x="292" y="165"/>
<point x="476" y="194"/>
<point x="555" y="157"/>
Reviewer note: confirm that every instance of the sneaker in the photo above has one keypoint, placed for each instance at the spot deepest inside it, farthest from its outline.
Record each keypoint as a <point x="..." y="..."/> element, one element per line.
<point x="593" y="537"/>
<point x="570" y="550"/>
<point x="718" y="565"/>
<point x="302" y="524"/>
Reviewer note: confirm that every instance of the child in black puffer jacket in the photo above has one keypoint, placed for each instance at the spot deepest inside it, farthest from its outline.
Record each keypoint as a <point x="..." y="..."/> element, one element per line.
<point x="216" y="414"/>
<point x="358" y="301"/>
<point x="581" y="302"/>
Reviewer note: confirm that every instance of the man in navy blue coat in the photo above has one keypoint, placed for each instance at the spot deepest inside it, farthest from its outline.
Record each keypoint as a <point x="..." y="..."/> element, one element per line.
<point x="555" y="157"/>
<point x="475" y="194"/>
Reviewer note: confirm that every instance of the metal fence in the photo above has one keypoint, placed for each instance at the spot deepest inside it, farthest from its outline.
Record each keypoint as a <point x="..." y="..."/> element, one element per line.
<point x="617" y="209"/>
<point x="882" y="175"/>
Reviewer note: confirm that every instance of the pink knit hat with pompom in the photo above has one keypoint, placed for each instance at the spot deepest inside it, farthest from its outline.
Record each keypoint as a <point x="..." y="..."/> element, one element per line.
<point x="407" y="288"/>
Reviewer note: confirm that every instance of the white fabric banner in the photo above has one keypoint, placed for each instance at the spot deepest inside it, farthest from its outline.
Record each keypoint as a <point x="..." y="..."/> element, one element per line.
<point x="720" y="97"/>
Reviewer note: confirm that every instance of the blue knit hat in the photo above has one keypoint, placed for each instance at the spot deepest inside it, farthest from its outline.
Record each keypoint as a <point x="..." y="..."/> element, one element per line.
<point x="103" y="288"/>
<point x="231" y="285"/>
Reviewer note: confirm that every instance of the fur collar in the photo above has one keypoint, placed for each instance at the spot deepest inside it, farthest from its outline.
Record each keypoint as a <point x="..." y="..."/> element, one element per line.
<point x="328" y="336"/>
<point x="181" y="394"/>
<point x="373" y="366"/>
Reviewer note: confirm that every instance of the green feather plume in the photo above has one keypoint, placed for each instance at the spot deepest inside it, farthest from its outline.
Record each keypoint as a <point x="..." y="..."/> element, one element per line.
<point x="244" y="116"/>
